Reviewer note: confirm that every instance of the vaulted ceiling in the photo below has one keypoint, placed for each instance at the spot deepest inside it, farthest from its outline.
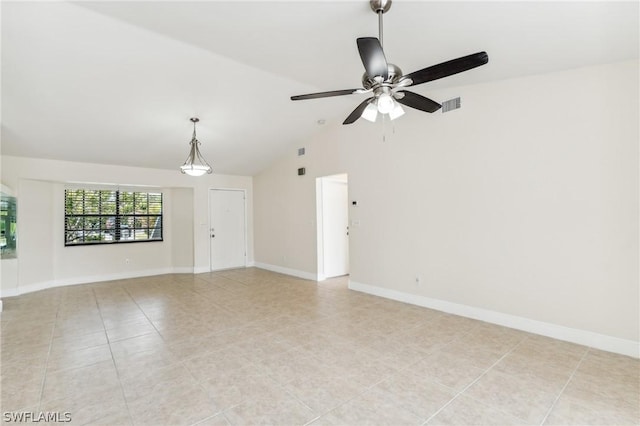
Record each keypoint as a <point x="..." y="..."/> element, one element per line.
<point x="116" y="82"/>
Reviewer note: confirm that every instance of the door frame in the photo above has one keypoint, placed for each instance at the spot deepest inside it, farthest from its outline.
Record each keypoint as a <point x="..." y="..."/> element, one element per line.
<point x="245" y="239"/>
<point x="320" y="274"/>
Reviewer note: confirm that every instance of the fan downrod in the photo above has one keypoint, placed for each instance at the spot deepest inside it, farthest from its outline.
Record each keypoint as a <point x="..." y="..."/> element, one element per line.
<point x="380" y="6"/>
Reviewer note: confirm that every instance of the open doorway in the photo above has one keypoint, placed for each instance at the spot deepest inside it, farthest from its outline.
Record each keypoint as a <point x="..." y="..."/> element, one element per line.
<point x="332" y="201"/>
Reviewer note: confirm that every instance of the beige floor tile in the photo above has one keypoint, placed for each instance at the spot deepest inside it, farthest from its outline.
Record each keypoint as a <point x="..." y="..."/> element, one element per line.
<point x="168" y="396"/>
<point x="365" y="373"/>
<point x="140" y="366"/>
<point x="549" y="377"/>
<point x="64" y="360"/>
<point x="172" y="378"/>
<point x="515" y="395"/>
<point x="147" y="342"/>
<point x="413" y="393"/>
<point x="16" y="352"/>
<point x="577" y="411"/>
<point x="606" y="363"/>
<point x="370" y="408"/>
<point x="451" y="371"/>
<point x="217" y="420"/>
<point x="22" y="369"/>
<point x="171" y="404"/>
<point x="70" y="342"/>
<point x="78" y="327"/>
<point x="394" y="353"/>
<point x="465" y="411"/>
<point x="121" y="322"/>
<point x="291" y="365"/>
<point x="216" y="363"/>
<point x="251" y="346"/>
<point x="128" y="330"/>
<point x="476" y="356"/>
<point x="231" y="389"/>
<point x="78" y="382"/>
<point x="323" y="393"/>
<point x="22" y="336"/>
<point x="18" y="395"/>
<point x="191" y="344"/>
<point x="275" y="408"/>
<point x="610" y="392"/>
<point x="550" y="351"/>
<point x="609" y="374"/>
<point x="92" y="407"/>
<point x="260" y="347"/>
<point x="431" y="338"/>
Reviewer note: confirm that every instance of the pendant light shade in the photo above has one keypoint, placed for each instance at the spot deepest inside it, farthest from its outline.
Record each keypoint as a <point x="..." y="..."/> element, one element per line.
<point x="370" y="113"/>
<point x="195" y="164"/>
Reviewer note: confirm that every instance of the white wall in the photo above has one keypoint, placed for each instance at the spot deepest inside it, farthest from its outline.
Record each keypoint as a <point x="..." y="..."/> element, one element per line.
<point x="37" y="240"/>
<point x="182" y="228"/>
<point x="522" y="205"/>
<point x="44" y="261"/>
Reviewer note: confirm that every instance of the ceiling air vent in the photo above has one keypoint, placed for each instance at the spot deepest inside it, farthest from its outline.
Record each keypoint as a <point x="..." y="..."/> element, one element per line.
<point x="451" y="104"/>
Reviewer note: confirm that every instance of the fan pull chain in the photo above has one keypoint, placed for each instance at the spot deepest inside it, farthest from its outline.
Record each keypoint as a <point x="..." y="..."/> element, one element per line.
<point x="384" y="128"/>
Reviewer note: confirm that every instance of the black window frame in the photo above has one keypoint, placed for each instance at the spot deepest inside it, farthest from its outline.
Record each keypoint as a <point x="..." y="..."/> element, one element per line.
<point x="92" y="215"/>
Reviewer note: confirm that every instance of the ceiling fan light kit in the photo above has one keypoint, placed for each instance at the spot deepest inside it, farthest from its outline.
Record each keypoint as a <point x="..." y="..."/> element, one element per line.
<point x="195" y="164"/>
<point x="387" y="83"/>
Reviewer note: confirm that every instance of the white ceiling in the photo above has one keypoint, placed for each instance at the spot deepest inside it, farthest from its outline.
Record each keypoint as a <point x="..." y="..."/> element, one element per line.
<point x="116" y="82"/>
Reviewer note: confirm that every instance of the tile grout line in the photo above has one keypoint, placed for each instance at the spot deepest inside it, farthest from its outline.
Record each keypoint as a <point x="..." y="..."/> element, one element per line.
<point x="126" y="403"/>
<point x="182" y="364"/>
<point x="277" y="383"/>
<point x="474" y="382"/>
<point x="143" y="313"/>
<point x="357" y="395"/>
<point x="263" y="313"/>
<point x="555" y="401"/>
<point x="46" y="366"/>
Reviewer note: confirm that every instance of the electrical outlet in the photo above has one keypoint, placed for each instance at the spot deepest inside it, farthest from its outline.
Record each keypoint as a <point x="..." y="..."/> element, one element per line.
<point x="127" y="261"/>
<point x="418" y="280"/>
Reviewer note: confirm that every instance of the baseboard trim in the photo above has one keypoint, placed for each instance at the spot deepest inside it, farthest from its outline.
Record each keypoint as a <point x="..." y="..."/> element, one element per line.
<point x="287" y="271"/>
<point x="581" y="337"/>
<point x="30" y="288"/>
<point x="113" y="277"/>
<point x="183" y="270"/>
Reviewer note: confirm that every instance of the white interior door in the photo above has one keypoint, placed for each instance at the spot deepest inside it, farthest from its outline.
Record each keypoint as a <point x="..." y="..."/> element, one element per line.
<point x="228" y="229"/>
<point x="335" y="231"/>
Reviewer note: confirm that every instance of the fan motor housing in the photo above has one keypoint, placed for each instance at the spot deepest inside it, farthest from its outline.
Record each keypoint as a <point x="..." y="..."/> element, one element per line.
<point x="394" y="72"/>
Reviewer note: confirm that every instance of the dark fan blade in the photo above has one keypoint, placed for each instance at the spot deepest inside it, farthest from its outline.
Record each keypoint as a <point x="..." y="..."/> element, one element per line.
<point x="448" y="68"/>
<point x="416" y="101"/>
<point x="357" y="112"/>
<point x="372" y="57"/>
<point x="324" y="94"/>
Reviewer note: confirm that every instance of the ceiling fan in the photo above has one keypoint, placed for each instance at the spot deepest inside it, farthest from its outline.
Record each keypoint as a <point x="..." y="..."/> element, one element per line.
<point x="386" y="81"/>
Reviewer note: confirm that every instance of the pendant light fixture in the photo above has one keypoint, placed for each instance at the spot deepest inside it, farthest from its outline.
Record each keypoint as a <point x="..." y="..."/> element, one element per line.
<point x="195" y="164"/>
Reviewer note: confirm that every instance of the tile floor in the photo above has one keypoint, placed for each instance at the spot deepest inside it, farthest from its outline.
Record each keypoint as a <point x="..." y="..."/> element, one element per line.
<point x="254" y="347"/>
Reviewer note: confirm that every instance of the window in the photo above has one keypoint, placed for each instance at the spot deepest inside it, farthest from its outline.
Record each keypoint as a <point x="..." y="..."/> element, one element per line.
<point x="107" y="217"/>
